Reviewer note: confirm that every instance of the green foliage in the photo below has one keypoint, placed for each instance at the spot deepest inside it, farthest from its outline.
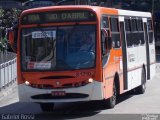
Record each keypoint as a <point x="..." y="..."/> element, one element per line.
<point x="3" y="44"/>
<point x="1" y="12"/>
<point x="7" y="19"/>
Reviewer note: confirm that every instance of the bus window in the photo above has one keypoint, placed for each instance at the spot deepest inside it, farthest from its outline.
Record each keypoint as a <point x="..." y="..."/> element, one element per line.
<point x="115" y="34"/>
<point x="140" y="31"/>
<point x="127" y="25"/>
<point x="128" y="32"/>
<point x="133" y="25"/>
<point x="105" y="45"/>
<point x="104" y="36"/>
<point x="134" y="32"/>
<point x="139" y="25"/>
<point x="105" y="23"/>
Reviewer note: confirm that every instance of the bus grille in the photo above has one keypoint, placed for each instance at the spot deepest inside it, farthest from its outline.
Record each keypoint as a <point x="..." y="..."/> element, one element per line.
<point x="67" y="96"/>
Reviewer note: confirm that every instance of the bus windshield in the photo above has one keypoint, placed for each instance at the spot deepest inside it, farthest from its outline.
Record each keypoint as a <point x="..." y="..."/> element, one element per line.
<point x="58" y="48"/>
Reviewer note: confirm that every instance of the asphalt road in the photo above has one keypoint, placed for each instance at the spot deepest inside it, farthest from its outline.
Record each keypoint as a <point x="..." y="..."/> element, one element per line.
<point x="129" y="106"/>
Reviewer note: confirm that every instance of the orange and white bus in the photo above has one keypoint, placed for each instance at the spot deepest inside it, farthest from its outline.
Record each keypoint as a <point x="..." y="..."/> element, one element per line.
<point x="82" y="53"/>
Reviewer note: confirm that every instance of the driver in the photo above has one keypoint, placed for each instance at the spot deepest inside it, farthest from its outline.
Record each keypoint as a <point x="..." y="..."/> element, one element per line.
<point x="88" y="44"/>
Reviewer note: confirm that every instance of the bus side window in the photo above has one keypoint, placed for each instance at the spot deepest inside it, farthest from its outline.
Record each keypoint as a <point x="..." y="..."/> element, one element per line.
<point x="105" y="50"/>
<point x="105" y="23"/>
<point x="115" y="34"/>
<point x="150" y="30"/>
<point x="128" y="32"/>
<point x="140" y="31"/>
<point x="134" y="32"/>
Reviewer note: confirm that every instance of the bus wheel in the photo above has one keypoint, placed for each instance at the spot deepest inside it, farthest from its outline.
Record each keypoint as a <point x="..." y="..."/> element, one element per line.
<point x="141" y="89"/>
<point x="47" y="107"/>
<point x="111" y="102"/>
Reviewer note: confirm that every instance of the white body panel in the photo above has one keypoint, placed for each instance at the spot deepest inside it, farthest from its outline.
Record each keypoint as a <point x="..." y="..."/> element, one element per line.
<point x="94" y="90"/>
<point x="137" y="53"/>
<point x="152" y="59"/>
<point x="135" y="60"/>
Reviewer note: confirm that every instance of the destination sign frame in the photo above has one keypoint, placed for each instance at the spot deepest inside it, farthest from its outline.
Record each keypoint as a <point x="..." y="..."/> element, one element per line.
<point x="58" y="16"/>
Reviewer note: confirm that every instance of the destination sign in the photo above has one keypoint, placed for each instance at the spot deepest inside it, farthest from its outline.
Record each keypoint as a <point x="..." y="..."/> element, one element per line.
<point x="61" y="16"/>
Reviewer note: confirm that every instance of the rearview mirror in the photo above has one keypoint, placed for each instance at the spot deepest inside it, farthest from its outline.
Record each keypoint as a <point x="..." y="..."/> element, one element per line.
<point x="12" y="37"/>
<point x="108" y="40"/>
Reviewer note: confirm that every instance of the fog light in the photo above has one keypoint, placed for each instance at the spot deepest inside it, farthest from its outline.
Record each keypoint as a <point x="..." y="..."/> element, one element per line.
<point x="27" y="83"/>
<point x="90" y="80"/>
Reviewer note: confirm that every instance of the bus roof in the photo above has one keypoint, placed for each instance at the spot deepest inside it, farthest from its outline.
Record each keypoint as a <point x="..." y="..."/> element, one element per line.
<point x="133" y="13"/>
<point x="97" y="9"/>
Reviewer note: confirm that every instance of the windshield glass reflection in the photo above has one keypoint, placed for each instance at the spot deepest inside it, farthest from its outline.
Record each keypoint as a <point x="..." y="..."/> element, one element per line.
<point x="58" y="48"/>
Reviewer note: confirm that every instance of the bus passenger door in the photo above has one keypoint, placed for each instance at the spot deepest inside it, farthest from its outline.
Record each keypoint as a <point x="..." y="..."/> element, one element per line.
<point x="147" y="50"/>
<point x="124" y="56"/>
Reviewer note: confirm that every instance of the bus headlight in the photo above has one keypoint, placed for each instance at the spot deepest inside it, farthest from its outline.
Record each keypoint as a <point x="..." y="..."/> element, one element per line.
<point x="90" y="80"/>
<point x="27" y="83"/>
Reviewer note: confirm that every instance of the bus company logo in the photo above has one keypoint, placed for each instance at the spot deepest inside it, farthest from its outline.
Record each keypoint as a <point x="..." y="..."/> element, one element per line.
<point x="150" y="117"/>
<point x="131" y="57"/>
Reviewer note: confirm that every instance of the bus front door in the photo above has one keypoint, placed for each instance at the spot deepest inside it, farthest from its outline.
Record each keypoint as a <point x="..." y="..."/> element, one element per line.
<point x="147" y="50"/>
<point x="124" y="56"/>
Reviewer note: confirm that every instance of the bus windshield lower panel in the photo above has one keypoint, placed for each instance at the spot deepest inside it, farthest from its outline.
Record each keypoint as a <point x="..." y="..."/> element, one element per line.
<point x="58" y="48"/>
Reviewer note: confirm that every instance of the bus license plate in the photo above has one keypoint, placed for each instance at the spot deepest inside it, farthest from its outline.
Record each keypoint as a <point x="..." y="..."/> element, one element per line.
<point x="58" y="93"/>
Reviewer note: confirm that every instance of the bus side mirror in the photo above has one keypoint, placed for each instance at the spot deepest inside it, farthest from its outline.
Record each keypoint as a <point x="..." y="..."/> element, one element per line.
<point x="108" y="40"/>
<point x="12" y="37"/>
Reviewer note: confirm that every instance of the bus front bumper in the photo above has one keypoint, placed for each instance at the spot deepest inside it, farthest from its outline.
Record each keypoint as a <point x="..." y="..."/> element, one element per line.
<point x="91" y="91"/>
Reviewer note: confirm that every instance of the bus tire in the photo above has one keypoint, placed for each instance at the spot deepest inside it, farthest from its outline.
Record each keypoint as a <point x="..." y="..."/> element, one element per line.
<point x="111" y="102"/>
<point x="47" y="107"/>
<point x="141" y="89"/>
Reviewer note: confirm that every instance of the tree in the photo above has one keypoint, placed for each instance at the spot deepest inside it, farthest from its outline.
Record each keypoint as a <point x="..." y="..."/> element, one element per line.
<point x="8" y="18"/>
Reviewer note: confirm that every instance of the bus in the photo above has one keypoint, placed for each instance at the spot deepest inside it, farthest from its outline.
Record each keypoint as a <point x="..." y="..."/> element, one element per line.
<point x="55" y="63"/>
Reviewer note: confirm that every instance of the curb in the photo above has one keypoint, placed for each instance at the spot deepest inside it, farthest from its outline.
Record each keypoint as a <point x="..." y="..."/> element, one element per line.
<point x="8" y="90"/>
